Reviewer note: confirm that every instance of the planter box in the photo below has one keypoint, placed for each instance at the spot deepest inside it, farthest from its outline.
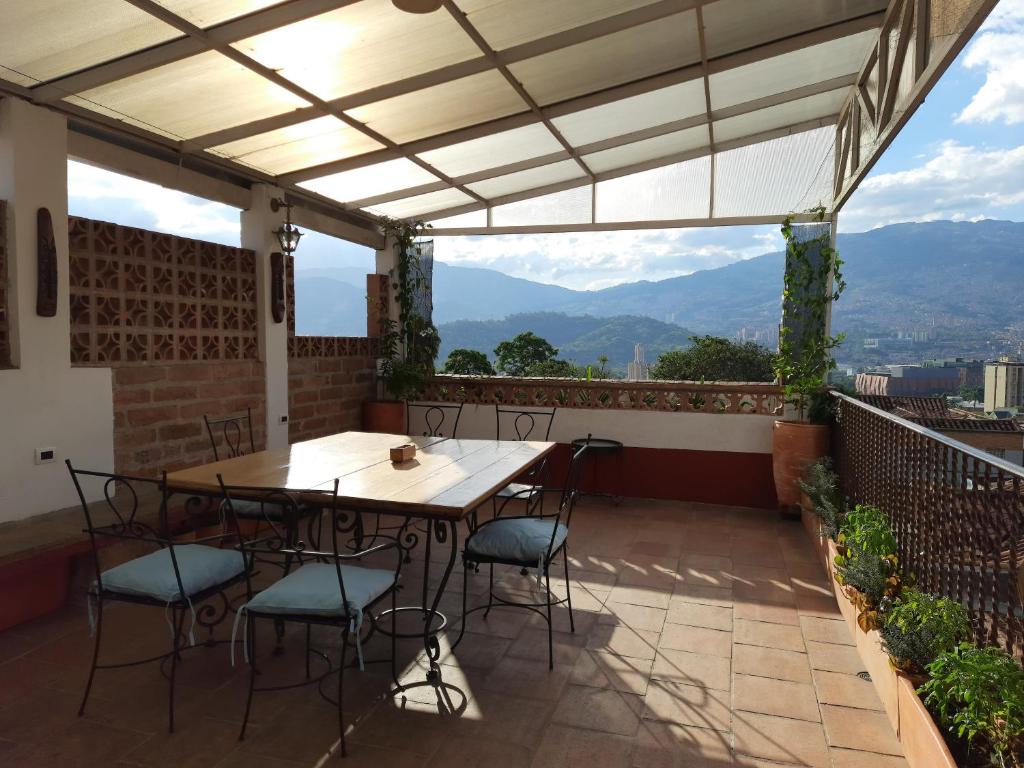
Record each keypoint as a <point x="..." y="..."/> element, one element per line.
<point x="923" y="745"/>
<point x="813" y="526"/>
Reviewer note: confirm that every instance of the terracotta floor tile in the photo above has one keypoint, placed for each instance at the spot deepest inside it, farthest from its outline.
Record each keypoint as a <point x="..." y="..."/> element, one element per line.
<point x="823" y="607"/>
<point x="692" y="669"/>
<point x="654" y="597"/>
<point x="406" y="725"/>
<point x="780" y="739"/>
<point x="767" y="612"/>
<point x="533" y="644"/>
<point x="704" y="595"/>
<point x="599" y="709"/>
<point x="768" y="635"/>
<point x="826" y="630"/>
<point x="834" y="658"/>
<point x="507" y="718"/>
<point x="858" y="728"/>
<point x="218" y="738"/>
<point x="670" y="745"/>
<point x="529" y="679"/>
<point x="624" y="641"/>
<point x="82" y="743"/>
<point x="845" y="690"/>
<point x="636" y="616"/>
<point x="771" y="662"/>
<point x="775" y="697"/>
<point x="688" y="705"/>
<point x="698" y="615"/>
<point x="566" y="747"/>
<point x="849" y="758"/>
<point x="471" y="751"/>
<point x="366" y="756"/>
<point x="608" y="670"/>
<point x="712" y="642"/>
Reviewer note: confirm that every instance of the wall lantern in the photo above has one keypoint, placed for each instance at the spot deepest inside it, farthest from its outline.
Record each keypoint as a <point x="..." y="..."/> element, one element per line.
<point x="288" y="235"/>
<point x="418" y="6"/>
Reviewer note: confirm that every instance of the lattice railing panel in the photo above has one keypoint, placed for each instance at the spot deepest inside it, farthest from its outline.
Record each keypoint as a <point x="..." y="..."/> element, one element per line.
<point x="671" y="396"/>
<point x="958" y="513"/>
<point x="140" y="297"/>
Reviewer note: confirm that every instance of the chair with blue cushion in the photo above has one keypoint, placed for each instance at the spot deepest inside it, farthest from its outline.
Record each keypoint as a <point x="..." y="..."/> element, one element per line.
<point x="327" y="589"/>
<point x="527" y="541"/>
<point x="521" y="424"/>
<point x="177" y="578"/>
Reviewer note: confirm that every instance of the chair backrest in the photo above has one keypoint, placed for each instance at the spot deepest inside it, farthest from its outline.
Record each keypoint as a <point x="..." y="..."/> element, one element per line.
<point x="234" y="432"/>
<point x="281" y="510"/>
<point x="520" y="424"/>
<point x="439" y="419"/>
<point x="570" y="490"/>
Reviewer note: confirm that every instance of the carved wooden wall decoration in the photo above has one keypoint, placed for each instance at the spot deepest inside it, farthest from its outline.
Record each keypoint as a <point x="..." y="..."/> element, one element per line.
<point x="140" y="297"/>
<point x="5" y="340"/>
<point x="46" y="265"/>
<point x="277" y="286"/>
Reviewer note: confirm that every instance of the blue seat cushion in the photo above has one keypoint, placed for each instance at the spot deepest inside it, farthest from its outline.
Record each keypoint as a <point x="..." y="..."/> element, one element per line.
<point x="313" y="590"/>
<point x="519" y="539"/>
<point x="152" y="575"/>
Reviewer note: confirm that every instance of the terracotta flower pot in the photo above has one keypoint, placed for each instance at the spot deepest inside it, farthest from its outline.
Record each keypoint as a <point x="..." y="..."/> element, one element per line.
<point x="386" y="416"/>
<point x="794" y="446"/>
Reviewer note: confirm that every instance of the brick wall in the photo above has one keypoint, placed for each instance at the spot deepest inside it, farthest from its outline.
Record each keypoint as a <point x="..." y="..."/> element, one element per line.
<point x="328" y="380"/>
<point x="158" y="411"/>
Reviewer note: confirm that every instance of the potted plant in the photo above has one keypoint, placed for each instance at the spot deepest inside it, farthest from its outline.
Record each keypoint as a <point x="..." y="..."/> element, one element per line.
<point x="812" y="283"/>
<point x="408" y="345"/>
<point x="866" y="565"/>
<point x="920" y="627"/>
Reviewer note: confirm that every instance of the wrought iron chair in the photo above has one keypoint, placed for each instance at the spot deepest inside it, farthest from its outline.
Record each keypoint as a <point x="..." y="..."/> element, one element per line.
<point x="528" y="541"/>
<point x="326" y="590"/>
<point x="434" y="417"/>
<point x="524" y="425"/>
<point x="173" y="577"/>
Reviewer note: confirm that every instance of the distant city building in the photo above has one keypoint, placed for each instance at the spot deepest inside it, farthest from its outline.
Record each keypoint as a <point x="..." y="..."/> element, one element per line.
<point x="767" y="337"/>
<point x="972" y="372"/>
<point x="895" y="380"/>
<point x="639" y="369"/>
<point x="1004" y="384"/>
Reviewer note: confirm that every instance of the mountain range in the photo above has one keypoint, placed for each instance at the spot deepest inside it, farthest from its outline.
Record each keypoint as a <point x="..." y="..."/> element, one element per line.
<point x="905" y="276"/>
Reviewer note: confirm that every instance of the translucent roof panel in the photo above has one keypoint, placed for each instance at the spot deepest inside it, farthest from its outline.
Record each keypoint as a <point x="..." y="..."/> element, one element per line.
<point x="360" y="46"/>
<point x="494" y="150"/>
<point x="304" y="145"/>
<point x="570" y="206"/>
<point x="805" y="66"/>
<point x="529" y="179"/>
<point x="371" y="180"/>
<point x="189" y="98"/>
<point x="421" y="205"/>
<point x="44" y="39"/>
<point x="822" y="105"/>
<point x="442" y="108"/>
<point x="471" y="219"/>
<point x="614" y="59"/>
<point x="505" y="23"/>
<point x="792" y="173"/>
<point x="773" y="20"/>
<point x="635" y="113"/>
<point x="648" y="149"/>
<point x="207" y="13"/>
<point x="678" y="191"/>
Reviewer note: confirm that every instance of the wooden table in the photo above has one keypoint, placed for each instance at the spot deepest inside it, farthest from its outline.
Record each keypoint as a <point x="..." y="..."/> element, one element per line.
<point x="448" y="479"/>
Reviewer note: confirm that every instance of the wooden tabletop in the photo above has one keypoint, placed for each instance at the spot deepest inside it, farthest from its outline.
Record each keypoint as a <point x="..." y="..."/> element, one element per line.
<point x="448" y="478"/>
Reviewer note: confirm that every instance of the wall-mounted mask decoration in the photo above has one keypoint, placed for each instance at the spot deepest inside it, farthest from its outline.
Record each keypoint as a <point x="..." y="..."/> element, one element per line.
<point x="46" y="265"/>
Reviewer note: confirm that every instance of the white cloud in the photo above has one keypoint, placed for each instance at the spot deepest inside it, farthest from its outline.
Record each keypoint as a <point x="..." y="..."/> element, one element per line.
<point x="959" y="183"/>
<point x="98" y="193"/>
<point x="999" y="51"/>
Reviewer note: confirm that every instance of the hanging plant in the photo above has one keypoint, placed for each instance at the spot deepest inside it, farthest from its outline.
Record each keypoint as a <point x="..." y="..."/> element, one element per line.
<point x="802" y="365"/>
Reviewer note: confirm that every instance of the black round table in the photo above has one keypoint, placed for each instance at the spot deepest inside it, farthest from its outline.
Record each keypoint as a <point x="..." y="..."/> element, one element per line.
<point x="601" y="448"/>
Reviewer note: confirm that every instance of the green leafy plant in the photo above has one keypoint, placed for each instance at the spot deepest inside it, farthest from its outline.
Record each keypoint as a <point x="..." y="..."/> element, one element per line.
<point x="468" y="362"/>
<point x="977" y="695"/>
<point x="410" y="344"/>
<point x="866" y="563"/>
<point x="803" y="364"/>
<point x="714" y="358"/>
<point x="821" y="484"/>
<point x="527" y="350"/>
<point x="920" y="626"/>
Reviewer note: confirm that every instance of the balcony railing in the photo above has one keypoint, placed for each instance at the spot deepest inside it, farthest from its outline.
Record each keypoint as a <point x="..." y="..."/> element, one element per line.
<point x="958" y="513"/>
<point x="673" y="396"/>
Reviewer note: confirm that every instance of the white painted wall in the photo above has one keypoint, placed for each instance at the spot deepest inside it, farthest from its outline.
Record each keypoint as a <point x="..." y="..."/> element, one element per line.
<point x="740" y="433"/>
<point x="258" y="225"/>
<point x="44" y="402"/>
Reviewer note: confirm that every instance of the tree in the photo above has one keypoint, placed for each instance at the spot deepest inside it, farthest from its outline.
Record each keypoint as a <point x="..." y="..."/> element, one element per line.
<point x="526" y="350"/>
<point x="555" y="369"/>
<point x="712" y="358"/>
<point x="468" y="362"/>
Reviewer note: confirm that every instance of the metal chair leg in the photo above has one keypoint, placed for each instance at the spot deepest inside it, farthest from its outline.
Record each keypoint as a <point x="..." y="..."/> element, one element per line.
<point x="179" y="616"/>
<point x="465" y="590"/>
<point x="309" y="628"/>
<point x="251" y="633"/>
<point x="568" y="589"/>
<point x="95" y="654"/>
<point x="551" y="642"/>
<point x="490" y="591"/>
<point x="341" y="690"/>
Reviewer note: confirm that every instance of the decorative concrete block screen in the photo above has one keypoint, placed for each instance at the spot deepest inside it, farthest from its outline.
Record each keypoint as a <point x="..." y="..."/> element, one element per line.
<point x="144" y="297"/>
<point x="5" y="330"/>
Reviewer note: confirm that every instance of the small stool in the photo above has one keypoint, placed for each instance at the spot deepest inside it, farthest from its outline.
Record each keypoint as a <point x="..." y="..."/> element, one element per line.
<point x="602" y="447"/>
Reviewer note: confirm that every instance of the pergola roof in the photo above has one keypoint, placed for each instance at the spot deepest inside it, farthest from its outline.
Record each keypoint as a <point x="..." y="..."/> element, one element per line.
<point x="486" y="115"/>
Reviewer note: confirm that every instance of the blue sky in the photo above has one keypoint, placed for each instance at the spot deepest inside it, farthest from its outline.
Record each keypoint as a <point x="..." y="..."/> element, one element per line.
<point x="960" y="157"/>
